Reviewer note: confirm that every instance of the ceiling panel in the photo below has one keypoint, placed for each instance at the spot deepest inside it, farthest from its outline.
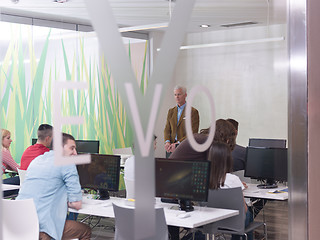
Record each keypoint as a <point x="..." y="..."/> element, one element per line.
<point x="143" y="12"/>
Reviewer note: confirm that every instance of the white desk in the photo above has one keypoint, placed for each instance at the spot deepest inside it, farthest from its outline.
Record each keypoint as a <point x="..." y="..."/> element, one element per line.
<point x="7" y="187"/>
<point x="198" y="217"/>
<point x="253" y="192"/>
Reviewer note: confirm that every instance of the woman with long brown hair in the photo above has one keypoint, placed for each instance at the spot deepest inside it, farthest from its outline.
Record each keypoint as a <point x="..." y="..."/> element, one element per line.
<point x="221" y="177"/>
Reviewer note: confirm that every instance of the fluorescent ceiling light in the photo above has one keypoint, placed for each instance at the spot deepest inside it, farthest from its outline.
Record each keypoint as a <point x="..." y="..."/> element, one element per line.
<point x="144" y="27"/>
<point x="239" y="24"/>
<point x="204" y="25"/>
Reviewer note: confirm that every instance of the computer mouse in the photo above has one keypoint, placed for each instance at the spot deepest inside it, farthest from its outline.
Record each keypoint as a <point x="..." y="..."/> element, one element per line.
<point x="184" y="215"/>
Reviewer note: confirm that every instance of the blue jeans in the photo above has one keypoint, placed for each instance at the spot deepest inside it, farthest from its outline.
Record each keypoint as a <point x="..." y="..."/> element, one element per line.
<point x="72" y="216"/>
<point x="249" y="219"/>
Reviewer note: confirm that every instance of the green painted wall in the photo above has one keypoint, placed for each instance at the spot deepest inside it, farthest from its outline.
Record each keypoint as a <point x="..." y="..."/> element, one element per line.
<point x="33" y="58"/>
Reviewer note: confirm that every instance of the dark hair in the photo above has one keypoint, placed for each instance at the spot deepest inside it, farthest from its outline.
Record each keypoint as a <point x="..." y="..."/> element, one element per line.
<point x="221" y="164"/>
<point x="225" y="133"/>
<point x="234" y="123"/>
<point x="66" y="137"/>
<point x="44" y="131"/>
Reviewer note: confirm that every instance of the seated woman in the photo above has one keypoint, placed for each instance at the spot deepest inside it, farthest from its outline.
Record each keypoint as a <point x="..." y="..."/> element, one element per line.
<point x="8" y="162"/>
<point x="220" y="176"/>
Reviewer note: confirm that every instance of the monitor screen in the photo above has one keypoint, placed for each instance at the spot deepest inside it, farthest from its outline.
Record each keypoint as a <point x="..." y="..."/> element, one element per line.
<point x="101" y="174"/>
<point x="267" y="143"/>
<point x="34" y="141"/>
<point x="182" y="179"/>
<point x="87" y="146"/>
<point x="270" y="164"/>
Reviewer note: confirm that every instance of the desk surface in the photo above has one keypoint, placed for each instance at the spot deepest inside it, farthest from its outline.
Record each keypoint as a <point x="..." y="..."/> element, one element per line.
<point x="199" y="217"/>
<point x="254" y="192"/>
<point x="6" y="187"/>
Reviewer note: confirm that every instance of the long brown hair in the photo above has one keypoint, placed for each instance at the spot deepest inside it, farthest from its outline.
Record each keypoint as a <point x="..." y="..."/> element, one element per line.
<point x="225" y="133"/>
<point x="221" y="164"/>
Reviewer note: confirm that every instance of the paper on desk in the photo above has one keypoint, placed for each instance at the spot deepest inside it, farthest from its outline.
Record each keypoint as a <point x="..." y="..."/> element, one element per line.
<point x="279" y="191"/>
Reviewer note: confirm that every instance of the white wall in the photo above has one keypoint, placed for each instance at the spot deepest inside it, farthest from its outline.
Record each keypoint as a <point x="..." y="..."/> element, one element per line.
<point x="248" y="82"/>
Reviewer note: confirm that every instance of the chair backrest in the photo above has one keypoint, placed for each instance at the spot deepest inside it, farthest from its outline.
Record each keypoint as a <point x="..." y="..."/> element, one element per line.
<point x="230" y="198"/>
<point x="22" y="175"/>
<point x="129" y="188"/>
<point x="21" y="220"/>
<point x="124" y="223"/>
<point x="127" y="151"/>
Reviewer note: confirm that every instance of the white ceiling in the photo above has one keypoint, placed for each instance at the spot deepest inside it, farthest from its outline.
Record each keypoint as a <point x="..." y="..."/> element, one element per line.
<point x="144" y="12"/>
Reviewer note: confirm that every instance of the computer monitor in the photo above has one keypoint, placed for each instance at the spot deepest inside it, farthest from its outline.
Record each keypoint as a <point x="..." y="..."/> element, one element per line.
<point x="87" y="146"/>
<point x="183" y="180"/>
<point x="101" y="174"/>
<point x="34" y="141"/>
<point x="268" y="164"/>
<point x="267" y="143"/>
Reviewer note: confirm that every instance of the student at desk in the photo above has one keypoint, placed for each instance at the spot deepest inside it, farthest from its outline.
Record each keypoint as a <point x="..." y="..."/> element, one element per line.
<point x="8" y="162"/>
<point x="54" y="189"/>
<point x="42" y="145"/>
<point x="221" y="177"/>
<point x="224" y="133"/>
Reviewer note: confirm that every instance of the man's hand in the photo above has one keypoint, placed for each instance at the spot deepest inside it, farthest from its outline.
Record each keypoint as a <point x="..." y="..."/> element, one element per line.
<point x="167" y="146"/>
<point x="75" y="205"/>
<point x="173" y="147"/>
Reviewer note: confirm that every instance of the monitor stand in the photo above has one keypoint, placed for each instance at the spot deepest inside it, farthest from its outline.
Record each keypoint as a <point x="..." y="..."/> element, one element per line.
<point x="269" y="184"/>
<point x="185" y="205"/>
<point x="103" y="194"/>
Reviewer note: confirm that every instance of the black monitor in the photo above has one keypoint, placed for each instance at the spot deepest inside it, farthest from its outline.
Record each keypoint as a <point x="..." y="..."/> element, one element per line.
<point x="267" y="143"/>
<point x="87" y="146"/>
<point x="183" y="180"/>
<point x="101" y="174"/>
<point x="268" y="164"/>
<point x="34" y="141"/>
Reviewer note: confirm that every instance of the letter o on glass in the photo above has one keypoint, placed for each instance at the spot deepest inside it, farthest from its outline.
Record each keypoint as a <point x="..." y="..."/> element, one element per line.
<point x="196" y="146"/>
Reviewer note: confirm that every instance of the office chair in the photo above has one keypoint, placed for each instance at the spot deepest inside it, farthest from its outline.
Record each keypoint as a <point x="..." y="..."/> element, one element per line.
<point x="231" y="198"/>
<point x="129" y="187"/>
<point x="126" y="151"/>
<point x="124" y="223"/>
<point x="21" y="220"/>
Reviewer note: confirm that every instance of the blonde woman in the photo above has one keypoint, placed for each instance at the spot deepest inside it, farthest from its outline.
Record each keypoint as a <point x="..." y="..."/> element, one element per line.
<point x="7" y="160"/>
<point x="8" y="163"/>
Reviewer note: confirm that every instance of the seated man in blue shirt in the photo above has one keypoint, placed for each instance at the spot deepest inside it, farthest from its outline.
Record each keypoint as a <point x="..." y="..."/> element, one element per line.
<point x="54" y="189"/>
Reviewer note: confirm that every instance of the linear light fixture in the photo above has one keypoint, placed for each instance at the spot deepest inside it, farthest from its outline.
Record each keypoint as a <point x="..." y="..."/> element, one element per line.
<point x="144" y="27"/>
<point x="222" y="44"/>
<point x="239" y="24"/>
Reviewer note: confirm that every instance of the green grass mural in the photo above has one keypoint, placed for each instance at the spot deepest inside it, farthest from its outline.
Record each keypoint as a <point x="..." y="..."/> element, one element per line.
<point x="26" y="99"/>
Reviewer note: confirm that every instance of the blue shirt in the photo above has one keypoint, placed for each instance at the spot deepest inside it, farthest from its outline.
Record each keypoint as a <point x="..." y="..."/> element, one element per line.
<point x="180" y="110"/>
<point x="51" y="187"/>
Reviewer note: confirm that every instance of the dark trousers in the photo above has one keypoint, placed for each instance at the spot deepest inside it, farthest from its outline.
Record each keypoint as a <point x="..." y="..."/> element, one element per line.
<point x="174" y="232"/>
<point x="14" y="181"/>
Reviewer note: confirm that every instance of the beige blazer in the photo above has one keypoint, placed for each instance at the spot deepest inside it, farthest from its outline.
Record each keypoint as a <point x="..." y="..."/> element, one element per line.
<point x="171" y="128"/>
